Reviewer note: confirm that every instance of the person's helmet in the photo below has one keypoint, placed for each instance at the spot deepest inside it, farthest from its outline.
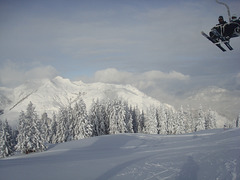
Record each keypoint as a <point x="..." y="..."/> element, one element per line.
<point x="220" y="18"/>
<point x="234" y="17"/>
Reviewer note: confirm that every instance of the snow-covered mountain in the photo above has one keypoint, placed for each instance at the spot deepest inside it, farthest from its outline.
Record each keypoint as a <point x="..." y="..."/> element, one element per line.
<point x="50" y="95"/>
<point x="212" y="154"/>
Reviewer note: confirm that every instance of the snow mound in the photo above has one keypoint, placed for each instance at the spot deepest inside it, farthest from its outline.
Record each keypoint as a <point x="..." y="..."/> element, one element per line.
<point x="212" y="154"/>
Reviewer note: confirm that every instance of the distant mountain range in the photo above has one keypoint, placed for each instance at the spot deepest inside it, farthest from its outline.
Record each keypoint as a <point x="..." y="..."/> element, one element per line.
<point x="225" y="102"/>
<point x="50" y="95"/>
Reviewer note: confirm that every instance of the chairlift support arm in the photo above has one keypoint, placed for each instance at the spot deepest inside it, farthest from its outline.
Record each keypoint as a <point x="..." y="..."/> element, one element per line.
<point x="228" y="9"/>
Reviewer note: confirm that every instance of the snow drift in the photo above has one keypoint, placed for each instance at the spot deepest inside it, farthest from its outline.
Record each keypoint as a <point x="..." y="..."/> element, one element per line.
<point x="212" y="154"/>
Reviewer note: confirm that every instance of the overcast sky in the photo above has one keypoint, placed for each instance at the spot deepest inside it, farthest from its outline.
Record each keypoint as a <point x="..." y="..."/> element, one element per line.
<point x="154" y="45"/>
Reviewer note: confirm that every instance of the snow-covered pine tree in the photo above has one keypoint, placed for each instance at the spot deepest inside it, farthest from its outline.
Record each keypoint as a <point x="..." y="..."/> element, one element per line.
<point x="71" y="123"/>
<point x="170" y="121"/>
<point x="82" y="125"/>
<point x="30" y="137"/>
<point x="162" y="120"/>
<point x="117" y="117"/>
<point x="180" y="121"/>
<point x="53" y="130"/>
<point x="135" y="119"/>
<point x="237" y="121"/>
<point x="107" y="109"/>
<point x="35" y="134"/>
<point x="6" y="140"/>
<point x="62" y="126"/>
<point x="151" y="121"/>
<point x="128" y="119"/>
<point x="38" y="141"/>
<point x="112" y="114"/>
<point x="22" y="133"/>
<point x="96" y="115"/>
<point x="46" y="130"/>
<point x="158" y="121"/>
<point x="189" y="125"/>
<point x="142" y="120"/>
<point x="200" y="120"/>
<point x="210" y="119"/>
<point x="121" y="116"/>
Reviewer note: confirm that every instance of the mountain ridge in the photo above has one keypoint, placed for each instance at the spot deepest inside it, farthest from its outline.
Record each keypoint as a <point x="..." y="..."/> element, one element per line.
<point x="49" y="95"/>
<point x="225" y="102"/>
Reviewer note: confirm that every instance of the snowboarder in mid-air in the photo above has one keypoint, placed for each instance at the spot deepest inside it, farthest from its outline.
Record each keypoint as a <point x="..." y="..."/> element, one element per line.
<point x="218" y="29"/>
<point x="224" y="31"/>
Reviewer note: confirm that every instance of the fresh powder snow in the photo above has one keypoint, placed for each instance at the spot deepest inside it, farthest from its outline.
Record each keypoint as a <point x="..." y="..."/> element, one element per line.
<point x="209" y="154"/>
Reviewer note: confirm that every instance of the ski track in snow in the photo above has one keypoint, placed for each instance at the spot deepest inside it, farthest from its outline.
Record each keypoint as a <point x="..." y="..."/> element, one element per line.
<point x="212" y="154"/>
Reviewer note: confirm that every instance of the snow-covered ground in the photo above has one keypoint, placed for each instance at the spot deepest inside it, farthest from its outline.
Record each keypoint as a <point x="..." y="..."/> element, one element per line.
<point x="212" y="154"/>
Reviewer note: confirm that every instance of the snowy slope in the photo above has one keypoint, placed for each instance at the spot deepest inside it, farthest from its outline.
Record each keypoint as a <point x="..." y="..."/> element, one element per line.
<point x="213" y="154"/>
<point x="49" y="95"/>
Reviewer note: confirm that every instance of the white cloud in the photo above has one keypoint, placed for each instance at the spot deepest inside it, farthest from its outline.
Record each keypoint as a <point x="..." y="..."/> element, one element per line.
<point x="10" y="74"/>
<point x="158" y="75"/>
<point x="41" y="72"/>
<point x="13" y="74"/>
<point x="146" y="81"/>
<point x="157" y="84"/>
<point x="112" y="75"/>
